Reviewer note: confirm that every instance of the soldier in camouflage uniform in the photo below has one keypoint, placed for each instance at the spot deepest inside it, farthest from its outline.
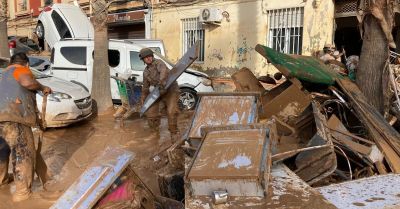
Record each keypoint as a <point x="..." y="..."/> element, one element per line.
<point x="156" y="74"/>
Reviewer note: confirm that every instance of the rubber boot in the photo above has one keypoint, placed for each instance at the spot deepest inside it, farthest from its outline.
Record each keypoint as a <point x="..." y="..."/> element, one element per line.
<point x="22" y="183"/>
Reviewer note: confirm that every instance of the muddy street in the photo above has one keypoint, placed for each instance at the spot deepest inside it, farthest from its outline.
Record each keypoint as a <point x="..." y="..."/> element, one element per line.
<point x="68" y="152"/>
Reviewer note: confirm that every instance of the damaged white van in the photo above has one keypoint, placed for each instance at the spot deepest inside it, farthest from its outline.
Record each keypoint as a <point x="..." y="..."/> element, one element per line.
<point x="72" y="60"/>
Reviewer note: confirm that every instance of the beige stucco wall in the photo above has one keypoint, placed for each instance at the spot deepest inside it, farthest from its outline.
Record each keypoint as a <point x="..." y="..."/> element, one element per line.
<point x="230" y="45"/>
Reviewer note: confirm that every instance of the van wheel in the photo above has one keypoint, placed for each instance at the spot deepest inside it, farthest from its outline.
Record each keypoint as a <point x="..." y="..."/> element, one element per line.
<point x="187" y="99"/>
<point x="40" y="30"/>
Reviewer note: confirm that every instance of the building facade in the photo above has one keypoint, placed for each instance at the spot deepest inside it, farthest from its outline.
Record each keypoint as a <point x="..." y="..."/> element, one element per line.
<point x="229" y="37"/>
<point x="290" y="26"/>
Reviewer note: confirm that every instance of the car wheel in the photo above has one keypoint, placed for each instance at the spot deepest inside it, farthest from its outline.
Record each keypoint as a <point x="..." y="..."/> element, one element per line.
<point x="187" y="99"/>
<point x="40" y="31"/>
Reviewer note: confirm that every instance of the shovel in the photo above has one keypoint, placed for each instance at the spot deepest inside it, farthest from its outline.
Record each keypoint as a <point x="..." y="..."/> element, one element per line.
<point x="41" y="167"/>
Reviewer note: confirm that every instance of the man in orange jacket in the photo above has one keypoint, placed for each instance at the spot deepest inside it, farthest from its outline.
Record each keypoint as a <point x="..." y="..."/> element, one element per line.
<point x="17" y="115"/>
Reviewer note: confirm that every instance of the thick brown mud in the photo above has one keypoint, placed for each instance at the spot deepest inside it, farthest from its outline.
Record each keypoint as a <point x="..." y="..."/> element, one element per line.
<point x="68" y="152"/>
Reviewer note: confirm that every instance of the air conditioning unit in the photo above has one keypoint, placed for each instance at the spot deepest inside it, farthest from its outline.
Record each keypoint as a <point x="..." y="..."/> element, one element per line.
<point x="210" y="15"/>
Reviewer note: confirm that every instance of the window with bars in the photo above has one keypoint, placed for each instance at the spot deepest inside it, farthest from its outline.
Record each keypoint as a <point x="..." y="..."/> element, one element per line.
<point x="192" y="31"/>
<point x="286" y="30"/>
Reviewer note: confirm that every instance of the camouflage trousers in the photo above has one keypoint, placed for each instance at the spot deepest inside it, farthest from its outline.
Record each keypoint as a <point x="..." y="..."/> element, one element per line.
<point x="17" y="140"/>
<point x="170" y="100"/>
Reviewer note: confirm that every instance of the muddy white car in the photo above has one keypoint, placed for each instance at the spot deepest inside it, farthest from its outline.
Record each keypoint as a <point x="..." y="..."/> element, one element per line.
<point x="69" y="102"/>
<point x="63" y="21"/>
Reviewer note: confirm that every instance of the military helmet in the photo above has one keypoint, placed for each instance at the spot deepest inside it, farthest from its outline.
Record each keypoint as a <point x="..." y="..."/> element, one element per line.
<point x="145" y="52"/>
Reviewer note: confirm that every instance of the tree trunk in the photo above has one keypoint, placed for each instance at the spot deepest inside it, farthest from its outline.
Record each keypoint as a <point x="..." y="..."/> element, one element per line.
<point x="4" y="51"/>
<point x="101" y="89"/>
<point x="374" y="54"/>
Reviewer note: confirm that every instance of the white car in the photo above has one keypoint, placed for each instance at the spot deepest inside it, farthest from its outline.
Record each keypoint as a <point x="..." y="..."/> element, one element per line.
<point x="39" y="63"/>
<point x="69" y="102"/>
<point x="62" y="21"/>
<point x="73" y="60"/>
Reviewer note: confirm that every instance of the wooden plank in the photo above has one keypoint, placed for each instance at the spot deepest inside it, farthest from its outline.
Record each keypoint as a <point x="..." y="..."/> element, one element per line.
<point x="190" y="56"/>
<point x="314" y="165"/>
<point x="385" y="136"/>
<point x="335" y="124"/>
<point x="291" y="102"/>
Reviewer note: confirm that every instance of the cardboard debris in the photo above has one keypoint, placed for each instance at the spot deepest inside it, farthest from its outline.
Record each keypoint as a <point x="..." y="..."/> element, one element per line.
<point x="245" y="81"/>
<point x="289" y="103"/>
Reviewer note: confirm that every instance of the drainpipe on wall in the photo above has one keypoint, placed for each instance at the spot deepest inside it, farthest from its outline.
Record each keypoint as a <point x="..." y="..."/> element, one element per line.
<point x="148" y="18"/>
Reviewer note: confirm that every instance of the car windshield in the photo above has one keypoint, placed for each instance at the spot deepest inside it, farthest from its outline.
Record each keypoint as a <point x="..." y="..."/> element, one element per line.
<point x="39" y="75"/>
<point x="34" y="62"/>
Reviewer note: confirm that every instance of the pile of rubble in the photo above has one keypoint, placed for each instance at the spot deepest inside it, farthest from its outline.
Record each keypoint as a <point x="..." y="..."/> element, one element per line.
<point x="315" y="129"/>
<point x="312" y="141"/>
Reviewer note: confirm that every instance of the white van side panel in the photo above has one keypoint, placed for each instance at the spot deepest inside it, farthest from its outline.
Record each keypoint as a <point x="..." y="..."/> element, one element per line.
<point x="65" y="69"/>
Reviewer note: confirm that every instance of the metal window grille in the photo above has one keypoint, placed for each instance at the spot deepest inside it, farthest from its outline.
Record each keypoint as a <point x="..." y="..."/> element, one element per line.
<point x="192" y="31"/>
<point x="345" y="6"/>
<point x="286" y="30"/>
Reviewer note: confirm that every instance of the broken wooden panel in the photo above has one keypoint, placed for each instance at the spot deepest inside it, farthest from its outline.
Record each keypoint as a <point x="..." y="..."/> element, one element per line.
<point x="190" y="56"/>
<point x="289" y="104"/>
<point x="368" y="150"/>
<point x="95" y="181"/>
<point x="385" y="136"/>
<point x="245" y="81"/>
<point x="286" y="190"/>
<point x="314" y="165"/>
<point x="224" y="109"/>
<point x="233" y="160"/>
<point x="304" y="68"/>
<point x="369" y="193"/>
<point x="275" y="91"/>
